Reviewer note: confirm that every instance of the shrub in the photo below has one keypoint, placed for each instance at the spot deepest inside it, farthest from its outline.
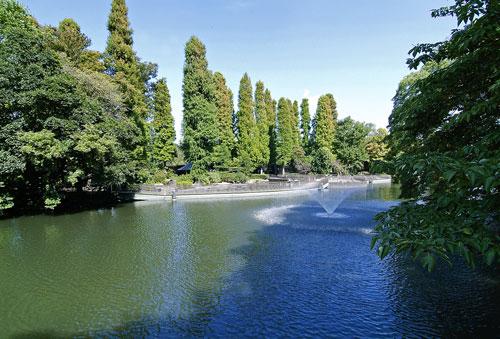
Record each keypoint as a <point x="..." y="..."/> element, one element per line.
<point x="184" y="180"/>
<point x="259" y="176"/>
<point x="214" y="177"/>
<point x="237" y="177"/>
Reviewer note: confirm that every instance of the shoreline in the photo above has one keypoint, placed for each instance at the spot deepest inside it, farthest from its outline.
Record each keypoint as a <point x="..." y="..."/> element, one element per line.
<point x="207" y="194"/>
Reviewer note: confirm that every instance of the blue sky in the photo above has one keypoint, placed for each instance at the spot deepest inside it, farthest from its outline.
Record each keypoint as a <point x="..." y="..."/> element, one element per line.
<point x="355" y="49"/>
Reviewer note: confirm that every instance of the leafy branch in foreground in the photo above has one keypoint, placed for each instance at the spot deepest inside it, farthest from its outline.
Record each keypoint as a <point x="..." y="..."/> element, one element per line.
<point x="445" y="138"/>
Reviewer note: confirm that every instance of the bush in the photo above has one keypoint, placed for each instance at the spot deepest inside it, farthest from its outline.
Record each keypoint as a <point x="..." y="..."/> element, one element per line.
<point x="184" y="180"/>
<point x="237" y="177"/>
<point x="214" y="177"/>
<point x="259" y="176"/>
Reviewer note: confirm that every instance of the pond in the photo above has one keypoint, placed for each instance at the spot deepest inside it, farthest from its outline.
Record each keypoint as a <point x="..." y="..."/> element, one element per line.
<point x="258" y="266"/>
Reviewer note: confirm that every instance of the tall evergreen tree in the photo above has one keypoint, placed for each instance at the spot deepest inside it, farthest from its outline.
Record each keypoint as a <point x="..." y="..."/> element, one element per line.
<point x="333" y="107"/>
<point x="70" y="39"/>
<point x="262" y="119"/>
<point x="248" y="134"/>
<point x="284" y="134"/>
<point x="296" y="125"/>
<point x="305" y="122"/>
<point x="225" y="109"/>
<point x="122" y="62"/>
<point x="163" y="125"/>
<point x="271" y="120"/>
<point x="199" y="123"/>
<point x="270" y="108"/>
<point x="323" y="124"/>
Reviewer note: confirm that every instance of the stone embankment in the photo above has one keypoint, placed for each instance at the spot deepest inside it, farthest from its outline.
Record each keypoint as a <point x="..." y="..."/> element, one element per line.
<point x="275" y="185"/>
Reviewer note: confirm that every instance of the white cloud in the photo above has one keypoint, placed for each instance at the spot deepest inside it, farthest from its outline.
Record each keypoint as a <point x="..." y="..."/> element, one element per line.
<point x="313" y="101"/>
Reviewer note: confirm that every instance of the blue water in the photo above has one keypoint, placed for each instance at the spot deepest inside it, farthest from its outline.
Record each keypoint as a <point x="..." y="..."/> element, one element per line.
<point x="262" y="267"/>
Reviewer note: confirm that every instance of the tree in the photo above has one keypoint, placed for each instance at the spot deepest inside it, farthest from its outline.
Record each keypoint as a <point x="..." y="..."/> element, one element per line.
<point x="445" y="134"/>
<point x="70" y="40"/>
<point x="262" y="120"/>
<point x="322" y="160"/>
<point x="271" y="120"/>
<point x="225" y="109"/>
<point x="199" y="125"/>
<point x="376" y="146"/>
<point x="305" y="122"/>
<point x="248" y="134"/>
<point x="163" y="125"/>
<point x="60" y="127"/>
<point x="297" y="139"/>
<point x="323" y="124"/>
<point x="333" y="107"/>
<point x="350" y="144"/>
<point x="284" y="134"/>
<point x="122" y="63"/>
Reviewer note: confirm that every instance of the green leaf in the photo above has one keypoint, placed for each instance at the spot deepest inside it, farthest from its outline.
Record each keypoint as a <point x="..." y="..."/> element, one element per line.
<point x="488" y="182"/>
<point x="373" y="242"/>
<point x="448" y="175"/>
<point x="490" y="256"/>
<point x="429" y="262"/>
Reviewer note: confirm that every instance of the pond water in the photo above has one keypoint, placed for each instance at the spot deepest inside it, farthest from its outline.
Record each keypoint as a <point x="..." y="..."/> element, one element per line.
<point x="267" y="266"/>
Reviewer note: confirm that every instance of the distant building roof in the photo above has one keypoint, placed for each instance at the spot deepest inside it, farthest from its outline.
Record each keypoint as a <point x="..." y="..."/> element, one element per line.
<point x="186" y="168"/>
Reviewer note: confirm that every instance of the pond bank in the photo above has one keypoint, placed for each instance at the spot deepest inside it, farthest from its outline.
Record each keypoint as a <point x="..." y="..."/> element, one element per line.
<point x="296" y="183"/>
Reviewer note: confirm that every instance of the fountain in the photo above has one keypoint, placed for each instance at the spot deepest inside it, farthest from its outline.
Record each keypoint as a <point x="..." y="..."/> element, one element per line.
<point x="330" y="197"/>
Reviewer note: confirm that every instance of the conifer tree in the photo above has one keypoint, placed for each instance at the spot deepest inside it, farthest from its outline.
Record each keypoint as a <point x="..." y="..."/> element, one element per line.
<point x="270" y="108"/>
<point x="323" y="124"/>
<point x="305" y="121"/>
<point x="163" y="125"/>
<point x="122" y="62"/>
<point x="271" y="120"/>
<point x="261" y="116"/>
<point x="323" y="136"/>
<point x="199" y="123"/>
<point x="333" y="107"/>
<point x="224" y="103"/>
<point x="296" y="125"/>
<point x="248" y="134"/>
<point x="70" y="39"/>
<point x="284" y="134"/>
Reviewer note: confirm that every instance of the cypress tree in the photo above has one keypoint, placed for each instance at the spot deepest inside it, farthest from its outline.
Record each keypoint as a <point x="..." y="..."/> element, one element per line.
<point x="122" y="62"/>
<point x="323" y="124"/>
<point x="225" y="110"/>
<point x="262" y="119"/>
<point x="271" y="120"/>
<point x="322" y="136"/>
<point x="284" y="134"/>
<point x="296" y="125"/>
<point x="305" y="122"/>
<point x="333" y="107"/>
<point x="163" y="125"/>
<point x="199" y="123"/>
<point x="270" y="108"/>
<point x="248" y="134"/>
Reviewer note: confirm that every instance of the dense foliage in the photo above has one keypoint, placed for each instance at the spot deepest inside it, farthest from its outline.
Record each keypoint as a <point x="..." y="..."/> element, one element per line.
<point x="225" y="150"/>
<point x="65" y="124"/>
<point x="246" y="126"/>
<point x="199" y="125"/>
<point x="76" y="120"/>
<point x="445" y="140"/>
<point x="163" y="130"/>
